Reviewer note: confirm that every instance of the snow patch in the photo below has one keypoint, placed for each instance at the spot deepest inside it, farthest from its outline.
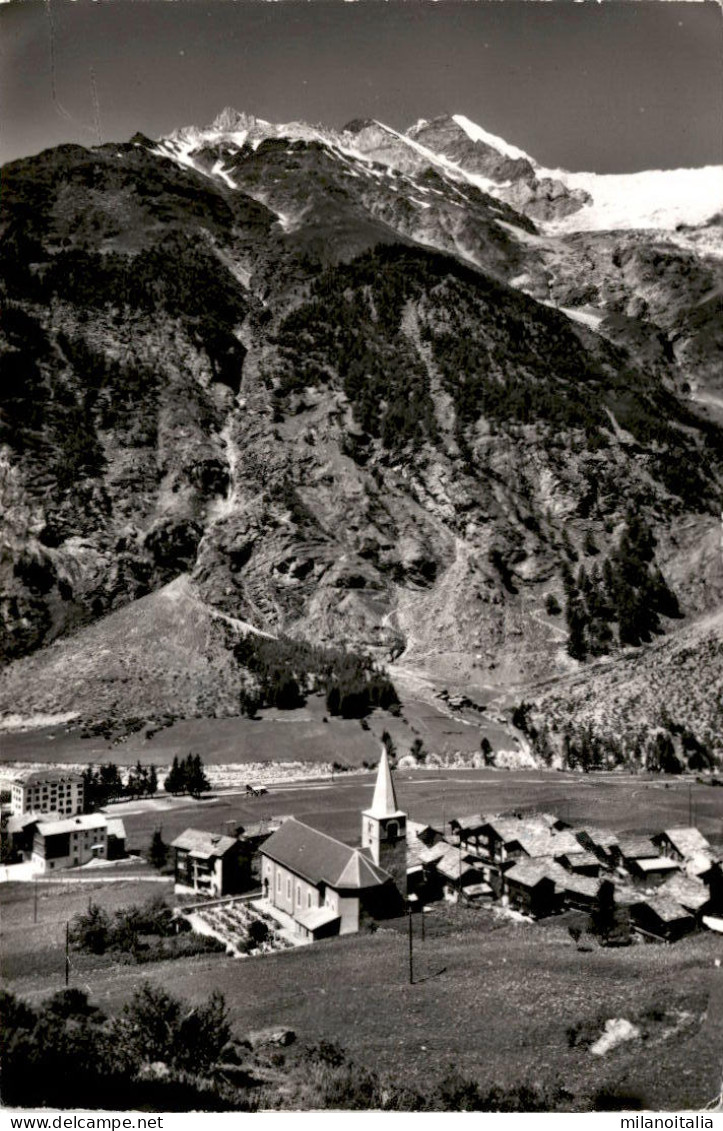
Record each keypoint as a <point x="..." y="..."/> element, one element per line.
<point x="476" y="133"/>
<point x="219" y="171"/>
<point x="35" y="722"/>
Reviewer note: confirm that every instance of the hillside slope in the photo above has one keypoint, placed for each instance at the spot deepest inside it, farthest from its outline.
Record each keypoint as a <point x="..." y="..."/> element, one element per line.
<point x="324" y="385"/>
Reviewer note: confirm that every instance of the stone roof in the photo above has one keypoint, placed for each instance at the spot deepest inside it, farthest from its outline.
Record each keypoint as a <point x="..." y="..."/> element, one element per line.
<point x="319" y="858"/>
<point x="470" y="822"/>
<point x="435" y="852"/>
<point x="667" y="910"/>
<point x="582" y="885"/>
<point x="579" y="858"/>
<point x="686" y="891"/>
<point x="455" y="864"/>
<point x="687" y="841"/>
<point x="203" y="844"/>
<point x="637" y="848"/>
<point x="604" y="838"/>
<point x="529" y="873"/>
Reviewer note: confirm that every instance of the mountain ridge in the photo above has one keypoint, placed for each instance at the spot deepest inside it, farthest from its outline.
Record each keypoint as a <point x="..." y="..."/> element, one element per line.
<point x="349" y="400"/>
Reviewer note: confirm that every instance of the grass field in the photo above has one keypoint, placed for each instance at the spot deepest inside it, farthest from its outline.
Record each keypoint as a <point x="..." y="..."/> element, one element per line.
<point x="622" y="803"/>
<point x="496" y="1001"/>
<point x="276" y="736"/>
<point x="33" y="920"/>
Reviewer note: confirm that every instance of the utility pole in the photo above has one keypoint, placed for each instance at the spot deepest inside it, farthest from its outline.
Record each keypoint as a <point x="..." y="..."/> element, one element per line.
<point x="690" y="804"/>
<point x="35" y="901"/>
<point x="67" y="952"/>
<point x="411" y="945"/>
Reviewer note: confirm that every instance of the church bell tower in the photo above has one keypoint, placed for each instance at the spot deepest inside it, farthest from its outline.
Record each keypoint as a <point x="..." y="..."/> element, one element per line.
<point x="384" y="827"/>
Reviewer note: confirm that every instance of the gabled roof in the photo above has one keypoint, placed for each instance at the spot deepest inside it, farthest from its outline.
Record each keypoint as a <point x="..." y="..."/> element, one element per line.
<point x="22" y="820"/>
<point x="689" y="893"/>
<point x="637" y="848"/>
<point x="384" y="802"/>
<point x="580" y="885"/>
<point x="454" y="865"/>
<point x="688" y="841"/>
<point x="566" y="842"/>
<point x="203" y="844"/>
<point x="436" y="852"/>
<point x="469" y="823"/>
<point x="116" y="828"/>
<point x="539" y="842"/>
<point x="603" y="838"/>
<point x="319" y="858"/>
<point x="529" y="873"/>
<point x="580" y="858"/>
<point x="666" y="909"/>
<point x="73" y="824"/>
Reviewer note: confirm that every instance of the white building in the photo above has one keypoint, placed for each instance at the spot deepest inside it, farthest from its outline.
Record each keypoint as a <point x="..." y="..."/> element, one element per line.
<point x="70" y="842"/>
<point x="331" y="888"/>
<point x="48" y="791"/>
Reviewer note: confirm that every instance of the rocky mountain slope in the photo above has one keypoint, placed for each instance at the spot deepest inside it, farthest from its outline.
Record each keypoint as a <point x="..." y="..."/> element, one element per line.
<point x="360" y="388"/>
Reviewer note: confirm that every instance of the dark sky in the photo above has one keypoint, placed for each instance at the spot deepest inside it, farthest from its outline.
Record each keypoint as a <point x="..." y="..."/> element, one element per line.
<point x="612" y="87"/>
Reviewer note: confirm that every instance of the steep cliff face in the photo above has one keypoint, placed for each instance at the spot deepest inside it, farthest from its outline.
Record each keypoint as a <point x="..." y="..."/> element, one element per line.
<point x="264" y="378"/>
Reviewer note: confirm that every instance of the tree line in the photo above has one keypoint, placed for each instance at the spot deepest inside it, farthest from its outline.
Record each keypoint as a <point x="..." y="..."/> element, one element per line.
<point x="107" y="783"/>
<point x="286" y="671"/>
<point x="628" y="592"/>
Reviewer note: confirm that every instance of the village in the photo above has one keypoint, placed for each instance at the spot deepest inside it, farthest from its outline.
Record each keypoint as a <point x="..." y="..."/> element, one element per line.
<point x="305" y="885"/>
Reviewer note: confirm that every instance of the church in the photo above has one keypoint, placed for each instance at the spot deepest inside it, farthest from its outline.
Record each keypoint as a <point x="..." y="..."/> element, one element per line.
<point x="329" y="888"/>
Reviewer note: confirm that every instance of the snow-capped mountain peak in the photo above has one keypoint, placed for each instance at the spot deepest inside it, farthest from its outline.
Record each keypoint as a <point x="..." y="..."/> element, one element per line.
<point x="463" y="152"/>
<point x="476" y="133"/>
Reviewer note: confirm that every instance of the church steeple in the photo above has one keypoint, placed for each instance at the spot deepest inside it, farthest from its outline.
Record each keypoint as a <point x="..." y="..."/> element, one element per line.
<point x="384" y="803"/>
<point x="384" y="826"/>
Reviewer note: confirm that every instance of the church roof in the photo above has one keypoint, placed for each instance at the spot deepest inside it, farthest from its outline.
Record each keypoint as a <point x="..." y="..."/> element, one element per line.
<point x="384" y="803"/>
<point x="319" y="858"/>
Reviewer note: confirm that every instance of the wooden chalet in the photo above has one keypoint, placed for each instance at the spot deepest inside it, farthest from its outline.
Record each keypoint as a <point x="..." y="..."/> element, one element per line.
<point x="661" y="917"/>
<point x="529" y="888"/>
<point x="631" y="850"/>
<point x="600" y="842"/>
<point x="682" y="843"/>
<point x="581" y="862"/>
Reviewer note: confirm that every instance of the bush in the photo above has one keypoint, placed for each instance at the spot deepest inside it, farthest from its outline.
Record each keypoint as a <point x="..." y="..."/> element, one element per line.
<point x="91" y="930"/>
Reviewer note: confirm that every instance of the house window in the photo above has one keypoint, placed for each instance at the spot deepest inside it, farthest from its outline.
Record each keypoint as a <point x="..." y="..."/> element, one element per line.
<point x="278" y="881"/>
<point x="308" y="899"/>
<point x="298" y="895"/>
<point x="288" y="888"/>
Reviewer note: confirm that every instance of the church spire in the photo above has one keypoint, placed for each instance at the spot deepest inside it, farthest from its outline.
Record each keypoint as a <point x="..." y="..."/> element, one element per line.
<point x="384" y="827"/>
<point x="384" y="803"/>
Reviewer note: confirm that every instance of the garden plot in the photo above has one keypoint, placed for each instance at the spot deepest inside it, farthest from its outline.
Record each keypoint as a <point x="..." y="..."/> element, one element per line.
<point x="245" y="930"/>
